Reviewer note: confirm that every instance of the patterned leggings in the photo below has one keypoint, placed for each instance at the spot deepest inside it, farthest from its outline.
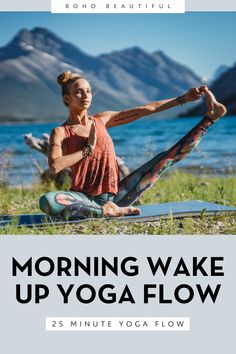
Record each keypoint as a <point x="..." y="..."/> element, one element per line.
<point x="74" y="205"/>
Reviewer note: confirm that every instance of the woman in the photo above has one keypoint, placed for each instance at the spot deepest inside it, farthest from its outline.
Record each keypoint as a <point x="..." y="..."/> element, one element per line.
<point x="83" y="144"/>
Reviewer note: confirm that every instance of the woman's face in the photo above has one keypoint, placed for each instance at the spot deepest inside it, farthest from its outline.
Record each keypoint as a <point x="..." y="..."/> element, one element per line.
<point x="80" y="95"/>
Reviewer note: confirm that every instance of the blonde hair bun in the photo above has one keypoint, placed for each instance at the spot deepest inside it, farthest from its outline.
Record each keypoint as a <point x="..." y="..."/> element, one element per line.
<point x="66" y="76"/>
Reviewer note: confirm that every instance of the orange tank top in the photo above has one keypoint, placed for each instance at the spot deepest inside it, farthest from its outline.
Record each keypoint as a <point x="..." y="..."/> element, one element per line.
<point x="98" y="173"/>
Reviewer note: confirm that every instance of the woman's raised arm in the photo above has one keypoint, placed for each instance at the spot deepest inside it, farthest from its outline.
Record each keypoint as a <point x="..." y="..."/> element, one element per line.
<point x="113" y="118"/>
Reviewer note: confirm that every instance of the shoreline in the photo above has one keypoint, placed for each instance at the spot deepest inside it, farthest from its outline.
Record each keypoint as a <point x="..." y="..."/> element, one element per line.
<point x="50" y="120"/>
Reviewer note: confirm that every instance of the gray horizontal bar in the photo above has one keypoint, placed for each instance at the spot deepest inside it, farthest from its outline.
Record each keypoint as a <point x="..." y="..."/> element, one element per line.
<point x="45" y="5"/>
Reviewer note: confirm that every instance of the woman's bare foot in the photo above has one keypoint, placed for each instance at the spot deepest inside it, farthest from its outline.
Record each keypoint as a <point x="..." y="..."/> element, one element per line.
<point x="111" y="209"/>
<point x="215" y="110"/>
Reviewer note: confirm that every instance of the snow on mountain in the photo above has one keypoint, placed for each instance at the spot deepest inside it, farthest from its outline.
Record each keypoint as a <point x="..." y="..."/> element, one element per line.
<point x="30" y="63"/>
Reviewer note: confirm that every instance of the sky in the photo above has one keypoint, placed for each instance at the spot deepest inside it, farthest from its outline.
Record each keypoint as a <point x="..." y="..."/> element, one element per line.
<point x="202" y="41"/>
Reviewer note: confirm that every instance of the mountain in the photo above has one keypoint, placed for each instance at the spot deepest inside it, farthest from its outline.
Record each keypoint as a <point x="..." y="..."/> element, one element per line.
<point x="224" y="89"/>
<point x="154" y="75"/>
<point x="31" y="61"/>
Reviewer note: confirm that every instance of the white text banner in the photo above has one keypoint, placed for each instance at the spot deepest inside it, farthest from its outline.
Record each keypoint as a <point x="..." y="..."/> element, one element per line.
<point x="117" y="324"/>
<point x="117" y="6"/>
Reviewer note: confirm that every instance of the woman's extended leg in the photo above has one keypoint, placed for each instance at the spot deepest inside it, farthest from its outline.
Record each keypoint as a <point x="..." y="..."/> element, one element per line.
<point x="134" y="185"/>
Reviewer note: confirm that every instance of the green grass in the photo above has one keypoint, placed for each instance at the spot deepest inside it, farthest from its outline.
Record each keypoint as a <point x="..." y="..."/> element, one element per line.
<point x="177" y="186"/>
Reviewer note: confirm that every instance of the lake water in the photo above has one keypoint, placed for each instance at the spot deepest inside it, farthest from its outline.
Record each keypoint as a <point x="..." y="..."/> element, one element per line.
<point x="135" y="142"/>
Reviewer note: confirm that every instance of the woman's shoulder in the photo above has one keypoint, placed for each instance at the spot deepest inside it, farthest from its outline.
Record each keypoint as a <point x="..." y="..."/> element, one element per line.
<point x="105" y="117"/>
<point x="97" y="118"/>
<point x="59" y="131"/>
